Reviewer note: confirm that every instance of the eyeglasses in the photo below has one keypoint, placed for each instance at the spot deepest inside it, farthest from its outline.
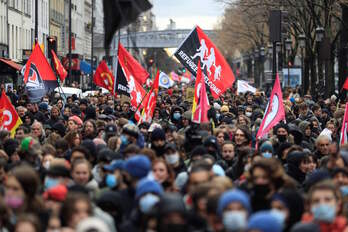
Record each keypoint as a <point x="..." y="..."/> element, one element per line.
<point x="239" y="135"/>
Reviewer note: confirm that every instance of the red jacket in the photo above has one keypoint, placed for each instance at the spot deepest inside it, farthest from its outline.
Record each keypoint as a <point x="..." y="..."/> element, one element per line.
<point x="339" y="225"/>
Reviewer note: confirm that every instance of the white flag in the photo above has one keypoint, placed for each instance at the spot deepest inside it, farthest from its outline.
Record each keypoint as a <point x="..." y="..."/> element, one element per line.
<point x="165" y="81"/>
<point x="243" y="86"/>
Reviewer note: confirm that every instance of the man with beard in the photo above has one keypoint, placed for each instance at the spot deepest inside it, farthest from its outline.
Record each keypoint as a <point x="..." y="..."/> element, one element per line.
<point x="55" y="116"/>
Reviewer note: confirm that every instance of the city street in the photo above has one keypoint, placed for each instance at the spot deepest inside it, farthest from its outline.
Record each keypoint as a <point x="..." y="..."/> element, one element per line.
<point x="173" y="116"/>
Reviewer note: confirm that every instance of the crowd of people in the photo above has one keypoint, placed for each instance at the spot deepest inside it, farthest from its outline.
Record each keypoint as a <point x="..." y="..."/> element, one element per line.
<point x="84" y="164"/>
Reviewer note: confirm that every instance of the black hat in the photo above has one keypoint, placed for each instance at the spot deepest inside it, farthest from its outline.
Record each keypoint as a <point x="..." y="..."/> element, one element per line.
<point x="170" y="146"/>
<point x="158" y="134"/>
<point x="60" y="128"/>
<point x="58" y="171"/>
<point x="171" y="203"/>
<point x="10" y="146"/>
<point x="110" y="129"/>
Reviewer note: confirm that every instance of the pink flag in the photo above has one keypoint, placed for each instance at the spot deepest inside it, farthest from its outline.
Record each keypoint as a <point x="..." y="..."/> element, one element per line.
<point x="344" y="129"/>
<point x="174" y="76"/>
<point x="201" y="113"/>
<point x="274" y="112"/>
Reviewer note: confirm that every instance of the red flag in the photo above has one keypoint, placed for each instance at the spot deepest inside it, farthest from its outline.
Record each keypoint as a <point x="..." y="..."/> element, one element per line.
<point x="103" y="77"/>
<point x="135" y="90"/>
<point x="344" y="129"/>
<point x="41" y="66"/>
<point x="127" y="61"/>
<point x="9" y="119"/>
<point x="198" y="47"/>
<point x="274" y="112"/>
<point x="197" y="89"/>
<point x="59" y="67"/>
<point x="345" y="85"/>
<point x="150" y="102"/>
<point x="200" y="115"/>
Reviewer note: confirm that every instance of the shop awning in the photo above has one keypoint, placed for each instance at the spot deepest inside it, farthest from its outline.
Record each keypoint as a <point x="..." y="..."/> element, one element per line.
<point x="11" y="64"/>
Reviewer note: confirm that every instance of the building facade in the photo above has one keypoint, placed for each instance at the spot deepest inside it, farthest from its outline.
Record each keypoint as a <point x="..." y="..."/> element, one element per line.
<point x="3" y="29"/>
<point x="20" y="30"/>
<point x="56" y="27"/>
<point x="43" y="22"/>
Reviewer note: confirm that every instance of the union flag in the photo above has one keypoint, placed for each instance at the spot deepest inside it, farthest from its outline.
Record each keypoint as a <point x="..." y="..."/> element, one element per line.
<point x="103" y="77"/>
<point x="127" y="61"/>
<point x="9" y="119"/>
<point x="150" y="102"/>
<point x="59" y="67"/>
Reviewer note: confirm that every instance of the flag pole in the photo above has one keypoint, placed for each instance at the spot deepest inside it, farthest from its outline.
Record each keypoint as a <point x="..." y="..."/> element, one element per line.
<point x="116" y="66"/>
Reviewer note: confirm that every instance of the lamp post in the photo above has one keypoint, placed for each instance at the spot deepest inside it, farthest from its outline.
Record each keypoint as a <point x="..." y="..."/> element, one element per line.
<point x="262" y="55"/>
<point x="302" y="44"/>
<point x="288" y="44"/>
<point x="257" y="65"/>
<point x="319" y="36"/>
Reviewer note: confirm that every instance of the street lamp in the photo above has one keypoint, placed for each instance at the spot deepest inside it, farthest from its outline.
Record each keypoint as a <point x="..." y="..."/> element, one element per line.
<point x="319" y="34"/>
<point x="256" y="66"/>
<point x="288" y="44"/>
<point x="302" y="44"/>
<point x="262" y="55"/>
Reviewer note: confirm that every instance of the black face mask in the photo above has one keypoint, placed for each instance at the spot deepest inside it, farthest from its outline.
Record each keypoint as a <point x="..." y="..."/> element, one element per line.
<point x="261" y="190"/>
<point x="158" y="149"/>
<point x="174" y="228"/>
<point x="281" y="138"/>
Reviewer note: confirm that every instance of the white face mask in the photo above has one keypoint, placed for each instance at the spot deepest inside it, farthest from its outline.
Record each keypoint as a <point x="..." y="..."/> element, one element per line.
<point x="280" y="215"/>
<point x="46" y="164"/>
<point x="172" y="159"/>
<point x="248" y="114"/>
<point x="234" y="220"/>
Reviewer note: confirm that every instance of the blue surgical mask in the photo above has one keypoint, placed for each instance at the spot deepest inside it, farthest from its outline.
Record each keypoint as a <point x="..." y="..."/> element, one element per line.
<point x="344" y="190"/>
<point x="147" y="202"/>
<point x="218" y="116"/>
<point x="111" y="180"/>
<point x="234" y="220"/>
<point x="124" y="139"/>
<point x="50" y="182"/>
<point x="267" y="155"/>
<point x="176" y="115"/>
<point x="324" y="212"/>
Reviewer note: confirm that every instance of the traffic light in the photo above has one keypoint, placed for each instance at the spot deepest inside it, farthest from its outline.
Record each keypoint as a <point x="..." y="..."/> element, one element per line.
<point x="285" y="26"/>
<point x="51" y="45"/>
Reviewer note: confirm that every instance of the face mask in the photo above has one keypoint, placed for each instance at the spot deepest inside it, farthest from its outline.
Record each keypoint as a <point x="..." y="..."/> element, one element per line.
<point x="172" y="159"/>
<point x="147" y="202"/>
<point x="261" y="190"/>
<point x="171" y="227"/>
<point x="111" y="181"/>
<point x="176" y="116"/>
<point x="280" y="215"/>
<point x="234" y="220"/>
<point x="50" y="182"/>
<point x="248" y="114"/>
<point x="267" y="155"/>
<point x="281" y="138"/>
<point x="324" y="212"/>
<point x="124" y="139"/>
<point x="218" y="116"/>
<point x="13" y="202"/>
<point x="344" y="190"/>
<point x="46" y="164"/>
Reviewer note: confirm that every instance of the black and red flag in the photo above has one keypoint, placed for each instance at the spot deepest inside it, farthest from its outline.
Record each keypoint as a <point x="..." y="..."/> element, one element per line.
<point x="38" y="75"/>
<point x="127" y="82"/>
<point x="198" y="47"/>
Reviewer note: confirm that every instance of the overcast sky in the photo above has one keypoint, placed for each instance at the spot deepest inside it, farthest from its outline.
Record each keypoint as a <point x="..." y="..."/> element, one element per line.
<point x="187" y="13"/>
